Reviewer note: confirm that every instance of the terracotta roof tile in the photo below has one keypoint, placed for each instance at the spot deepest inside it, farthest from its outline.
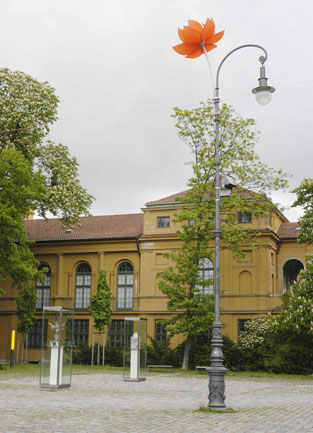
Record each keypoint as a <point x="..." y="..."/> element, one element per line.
<point x="288" y="231"/>
<point x="166" y="200"/>
<point x="94" y="227"/>
<point x="172" y="198"/>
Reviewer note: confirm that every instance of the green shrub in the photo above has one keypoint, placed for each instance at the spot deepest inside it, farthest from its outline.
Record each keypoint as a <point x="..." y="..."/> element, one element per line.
<point x="233" y="355"/>
<point x="200" y="352"/>
<point x="112" y="356"/>
<point x="290" y="353"/>
<point x="161" y="353"/>
<point x="82" y="355"/>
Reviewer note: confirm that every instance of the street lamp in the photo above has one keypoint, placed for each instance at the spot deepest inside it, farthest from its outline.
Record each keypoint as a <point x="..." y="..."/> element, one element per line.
<point x="217" y="370"/>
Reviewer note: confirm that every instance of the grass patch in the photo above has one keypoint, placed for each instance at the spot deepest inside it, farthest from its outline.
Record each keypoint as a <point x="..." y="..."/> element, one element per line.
<point x="204" y="409"/>
<point x="19" y="370"/>
<point x="267" y="375"/>
<point x="33" y="370"/>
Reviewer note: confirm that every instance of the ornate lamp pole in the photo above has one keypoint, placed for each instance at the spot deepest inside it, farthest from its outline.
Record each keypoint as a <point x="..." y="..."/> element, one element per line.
<point x="196" y="40"/>
<point x="217" y="370"/>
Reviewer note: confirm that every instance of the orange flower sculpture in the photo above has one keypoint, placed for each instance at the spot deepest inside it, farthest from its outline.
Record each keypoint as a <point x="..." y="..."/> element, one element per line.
<point x="196" y="37"/>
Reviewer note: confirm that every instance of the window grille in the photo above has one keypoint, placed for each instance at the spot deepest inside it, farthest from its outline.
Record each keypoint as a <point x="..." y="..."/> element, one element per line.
<point x="244" y="217"/>
<point x="163" y="222"/>
<point x="125" y="283"/>
<point x="160" y="331"/>
<point x="35" y="334"/>
<point x="43" y="289"/>
<point x="82" y="286"/>
<point x="205" y="277"/>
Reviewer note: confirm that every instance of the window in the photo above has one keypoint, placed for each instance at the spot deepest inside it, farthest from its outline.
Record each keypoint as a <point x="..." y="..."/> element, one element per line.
<point x="35" y="334"/>
<point x="82" y="286"/>
<point x="163" y="222"/>
<point x="191" y="223"/>
<point x="125" y="282"/>
<point x="159" y="331"/>
<point x="81" y="332"/>
<point x="205" y="277"/>
<point x="116" y="333"/>
<point x="244" y="217"/>
<point x="43" y="289"/>
<point x="242" y="325"/>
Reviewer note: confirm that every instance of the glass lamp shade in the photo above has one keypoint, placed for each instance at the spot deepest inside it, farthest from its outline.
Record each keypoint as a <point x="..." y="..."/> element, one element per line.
<point x="263" y="97"/>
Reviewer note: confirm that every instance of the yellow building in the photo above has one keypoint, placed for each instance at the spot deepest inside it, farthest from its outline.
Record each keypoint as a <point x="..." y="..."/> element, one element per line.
<point x="130" y="249"/>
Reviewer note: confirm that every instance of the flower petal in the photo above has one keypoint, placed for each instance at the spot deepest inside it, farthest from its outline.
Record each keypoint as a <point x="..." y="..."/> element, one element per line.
<point x="196" y="53"/>
<point x="195" y="25"/>
<point x="208" y="29"/>
<point x="181" y="35"/>
<point x="185" y="48"/>
<point x="215" y="38"/>
<point x="209" y="47"/>
<point x="191" y="36"/>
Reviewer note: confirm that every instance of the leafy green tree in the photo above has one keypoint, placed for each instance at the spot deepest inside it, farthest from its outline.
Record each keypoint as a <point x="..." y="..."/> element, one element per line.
<point x="255" y="340"/>
<point x="305" y="199"/>
<point x="100" y="306"/>
<point x="297" y="303"/>
<point x="182" y="281"/>
<point x="34" y="175"/>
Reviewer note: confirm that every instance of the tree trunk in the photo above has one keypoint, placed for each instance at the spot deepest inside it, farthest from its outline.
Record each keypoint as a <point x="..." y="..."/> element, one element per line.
<point x="98" y="354"/>
<point x="92" y="347"/>
<point x="26" y="350"/>
<point x="22" y="351"/>
<point x="103" y="348"/>
<point x="186" y="353"/>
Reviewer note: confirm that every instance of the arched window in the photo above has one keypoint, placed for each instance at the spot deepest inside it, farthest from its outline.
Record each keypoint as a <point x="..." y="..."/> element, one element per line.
<point x="125" y="283"/>
<point x="206" y="275"/>
<point x="82" y="286"/>
<point x="291" y="270"/>
<point x="43" y="289"/>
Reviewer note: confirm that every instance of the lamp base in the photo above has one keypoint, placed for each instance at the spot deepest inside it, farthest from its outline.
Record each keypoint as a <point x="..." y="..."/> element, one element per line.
<point x="217" y="370"/>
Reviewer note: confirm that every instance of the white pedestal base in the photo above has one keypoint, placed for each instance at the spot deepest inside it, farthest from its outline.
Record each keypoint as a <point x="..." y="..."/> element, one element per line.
<point x="54" y="366"/>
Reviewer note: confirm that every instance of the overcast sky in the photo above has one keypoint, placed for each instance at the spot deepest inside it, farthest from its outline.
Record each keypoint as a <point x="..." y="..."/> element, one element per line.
<point x="117" y="77"/>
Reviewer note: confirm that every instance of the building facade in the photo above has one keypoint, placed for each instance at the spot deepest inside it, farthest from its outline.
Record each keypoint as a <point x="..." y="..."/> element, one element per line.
<point x="130" y="249"/>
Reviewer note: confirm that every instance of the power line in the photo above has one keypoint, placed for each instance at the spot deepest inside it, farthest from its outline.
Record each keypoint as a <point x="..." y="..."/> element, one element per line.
<point x="153" y="110"/>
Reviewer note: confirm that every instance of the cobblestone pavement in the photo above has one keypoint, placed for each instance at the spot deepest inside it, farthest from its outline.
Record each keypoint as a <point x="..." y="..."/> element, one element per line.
<point x="164" y="403"/>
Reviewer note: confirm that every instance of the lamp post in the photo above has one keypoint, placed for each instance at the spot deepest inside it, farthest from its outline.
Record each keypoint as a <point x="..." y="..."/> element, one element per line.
<point x="217" y="370"/>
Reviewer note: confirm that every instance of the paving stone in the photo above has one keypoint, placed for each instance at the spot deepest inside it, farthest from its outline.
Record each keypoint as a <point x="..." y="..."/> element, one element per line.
<point x="165" y="403"/>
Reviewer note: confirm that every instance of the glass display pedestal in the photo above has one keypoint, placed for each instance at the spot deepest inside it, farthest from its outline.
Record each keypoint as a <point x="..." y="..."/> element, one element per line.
<point x="135" y="349"/>
<point x="56" y="348"/>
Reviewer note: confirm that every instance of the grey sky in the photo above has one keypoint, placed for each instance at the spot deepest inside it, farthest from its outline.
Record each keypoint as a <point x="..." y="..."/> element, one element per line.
<point x="117" y="77"/>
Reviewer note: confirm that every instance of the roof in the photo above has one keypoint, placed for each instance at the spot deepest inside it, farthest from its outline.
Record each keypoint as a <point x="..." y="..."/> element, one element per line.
<point x="166" y="200"/>
<point x="174" y="198"/>
<point x="106" y="227"/>
<point x="288" y="230"/>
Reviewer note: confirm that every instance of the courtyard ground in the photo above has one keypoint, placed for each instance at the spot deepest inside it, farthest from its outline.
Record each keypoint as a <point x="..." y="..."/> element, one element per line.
<point x="164" y="403"/>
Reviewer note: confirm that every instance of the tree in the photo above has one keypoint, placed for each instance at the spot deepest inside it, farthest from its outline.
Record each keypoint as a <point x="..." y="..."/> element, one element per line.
<point x="182" y="281"/>
<point x="305" y="199"/>
<point x="100" y="306"/>
<point x="34" y="175"/>
<point x="297" y="303"/>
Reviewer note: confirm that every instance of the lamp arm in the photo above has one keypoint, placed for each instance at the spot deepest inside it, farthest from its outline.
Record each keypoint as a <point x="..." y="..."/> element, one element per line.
<point x="262" y="59"/>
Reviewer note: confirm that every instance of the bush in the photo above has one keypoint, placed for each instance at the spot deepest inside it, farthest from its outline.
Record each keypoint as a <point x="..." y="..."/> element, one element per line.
<point x="255" y="341"/>
<point x="82" y="355"/>
<point x="112" y="356"/>
<point x="290" y="353"/>
<point x="200" y="352"/>
<point x="272" y="346"/>
<point x="159" y="353"/>
<point x="233" y="355"/>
